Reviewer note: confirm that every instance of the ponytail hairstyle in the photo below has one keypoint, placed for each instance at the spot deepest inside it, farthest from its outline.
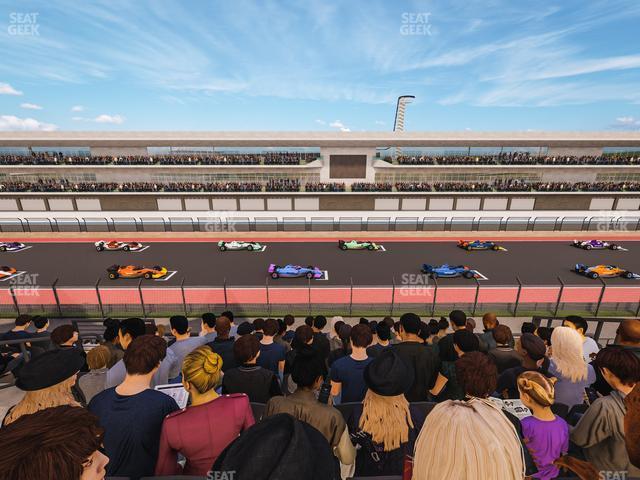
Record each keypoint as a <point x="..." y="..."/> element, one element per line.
<point x="202" y="369"/>
<point x="540" y="388"/>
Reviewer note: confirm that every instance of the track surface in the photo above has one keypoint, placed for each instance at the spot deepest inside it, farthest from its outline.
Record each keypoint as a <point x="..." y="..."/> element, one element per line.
<point x="202" y="264"/>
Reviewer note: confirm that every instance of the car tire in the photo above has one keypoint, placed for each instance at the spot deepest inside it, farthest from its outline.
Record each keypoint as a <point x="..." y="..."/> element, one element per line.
<point x="588" y="247"/>
<point x="593" y="275"/>
<point x="99" y="248"/>
<point x="628" y="275"/>
<point x="113" y="275"/>
<point x="126" y="248"/>
<point x="222" y="248"/>
<point x="343" y="246"/>
<point x="250" y="248"/>
<point x="3" y="248"/>
<point x="370" y="247"/>
<point x="468" y="248"/>
<point x="495" y="248"/>
<point x="613" y="246"/>
<point x="467" y="274"/>
<point x="148" y="275"/>
<point x="275" y="275"/>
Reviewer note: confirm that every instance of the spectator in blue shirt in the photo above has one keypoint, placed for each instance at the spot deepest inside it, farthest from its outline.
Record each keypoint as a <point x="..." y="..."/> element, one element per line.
<point x="347" y="373"/>
<point x="132" y="413"/>
<point x="272" y="354"/>
<point x="185" y="343"/>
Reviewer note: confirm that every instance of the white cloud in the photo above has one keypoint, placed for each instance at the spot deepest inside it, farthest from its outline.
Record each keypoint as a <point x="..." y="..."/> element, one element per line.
<point x="627" y="123"/>
<point x="320" y="122"/>
<point x="339" y="125"/>
<point x="11" y="123"/>
<point x="79" y="119"/>
<point x="30" y="106"/>
<point x="380" y="122"/>
<point x="77" y="108"/>
<point x="6" y="89"/>
<point x="104" y="118"/>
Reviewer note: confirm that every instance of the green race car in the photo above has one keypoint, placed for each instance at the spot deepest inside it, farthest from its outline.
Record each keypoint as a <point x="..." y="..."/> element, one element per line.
<point x="356" y="245"/>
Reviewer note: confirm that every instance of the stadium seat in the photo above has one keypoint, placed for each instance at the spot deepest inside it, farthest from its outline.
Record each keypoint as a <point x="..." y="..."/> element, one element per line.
<point x="258" y="410"/>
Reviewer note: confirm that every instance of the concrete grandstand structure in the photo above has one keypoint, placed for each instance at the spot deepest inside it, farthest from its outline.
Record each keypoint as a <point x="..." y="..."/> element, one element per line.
<point x="342" y="157"/>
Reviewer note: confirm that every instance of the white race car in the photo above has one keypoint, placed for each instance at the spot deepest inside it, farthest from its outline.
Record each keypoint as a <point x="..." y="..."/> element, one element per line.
<point x="11" y="246"/>
<point x="238" y="245"/>
<point x="116" y="245"/>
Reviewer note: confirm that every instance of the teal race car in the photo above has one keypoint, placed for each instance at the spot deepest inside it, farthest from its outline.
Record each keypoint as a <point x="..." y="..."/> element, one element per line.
<point x="356" y="245"/>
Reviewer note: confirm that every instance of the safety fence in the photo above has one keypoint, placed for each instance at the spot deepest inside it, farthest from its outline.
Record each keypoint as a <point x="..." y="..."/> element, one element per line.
<point x="422" y="295"/>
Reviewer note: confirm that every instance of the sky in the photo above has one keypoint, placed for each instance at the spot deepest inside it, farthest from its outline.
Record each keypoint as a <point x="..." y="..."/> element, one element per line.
<point x="328" y="65"/>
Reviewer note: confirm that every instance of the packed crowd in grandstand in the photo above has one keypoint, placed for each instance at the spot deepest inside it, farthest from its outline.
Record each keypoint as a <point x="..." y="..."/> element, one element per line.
<point x="267" y="158"/>
<point x="520" y="158"/>
<point x="295" y="185"/>
<point x="280" y="399"/>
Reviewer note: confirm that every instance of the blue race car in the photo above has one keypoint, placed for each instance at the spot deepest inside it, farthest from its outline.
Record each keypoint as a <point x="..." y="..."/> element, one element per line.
<point x="595" y="245"/>
<point x="11" y="246"/>
<point x="480" y="245"/>
<point x="449" y="271"/>
<point x="276" y="271"/>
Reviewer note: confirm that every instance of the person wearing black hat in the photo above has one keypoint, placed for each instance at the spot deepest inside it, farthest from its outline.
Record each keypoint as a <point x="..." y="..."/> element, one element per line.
<point x="447" y="387"/>
<point x="48" y="380"/>
<point x="245" y="328"/>
<point x="384" y="427"/>
<point x="533" y="350"/>
<point x="289" y="450"/>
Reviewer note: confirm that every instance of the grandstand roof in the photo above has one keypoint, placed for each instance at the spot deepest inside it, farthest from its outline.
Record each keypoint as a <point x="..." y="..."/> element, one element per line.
<point x="318" y="139"/>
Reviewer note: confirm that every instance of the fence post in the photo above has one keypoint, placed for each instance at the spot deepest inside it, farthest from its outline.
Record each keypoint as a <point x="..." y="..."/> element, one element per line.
<point x="309" y="293"/>
<point x="604" y="287"/>
<point x="435" y="294"/>
<point x="224" y="286"/>
<point x="393" y="295"/>
<point x="184" y="299"/>
<point x="515" y="308"/>
<point x="99" y="297"/>
<point x="266" y="286"/>
<point x="475" y="301"/>
<point x="638" y="310"/>
<point x="144" y="310"/>
<point x="55" y="295"/>
<point x="351" y="297"/>
<point x="15" y="300"/>
<point x="555" y="312"/>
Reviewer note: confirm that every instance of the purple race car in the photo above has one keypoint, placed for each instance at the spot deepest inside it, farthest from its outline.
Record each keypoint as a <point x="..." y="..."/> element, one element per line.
<point x="595" y="245"/>
<point x="11" y="246"/>
<point x="276" y="271"/>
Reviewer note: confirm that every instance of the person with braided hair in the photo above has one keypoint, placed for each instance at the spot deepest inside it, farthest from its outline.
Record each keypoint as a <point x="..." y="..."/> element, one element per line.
<point x="205" y="428"/>
<point x="545" y="434"/>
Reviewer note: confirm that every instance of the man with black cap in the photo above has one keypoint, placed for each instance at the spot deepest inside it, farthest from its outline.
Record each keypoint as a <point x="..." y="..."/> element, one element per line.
<point x="385" y="426"/>
<point x="533" y="351"/>
<point x="421" y="358"/>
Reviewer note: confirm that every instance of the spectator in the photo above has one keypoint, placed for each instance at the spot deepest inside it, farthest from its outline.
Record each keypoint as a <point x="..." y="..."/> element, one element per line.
<point x="476" y="374"/>
<point x="504" y="355"/>
<point x="111" y="341"/>
<point x="234" y="328"/>
<point x="42" y="325"/>
<point x="258" y="327"/>
<point x="489" y="322"/>
<point x="223" y="343"/>
<point x="308" y="321"/>
<point x="383" y="332"/>
<point x="47" y="380"/>
<point x="347" y="373"/>
<point x="442" y="328"/>
<point x="320" y="340"/>
<point x="95" y="380"/>
<point x="568" y="366"/>
<point x="303" y="405"/>
<point x="467" y="440"/>
<point x="632" y="426"/>
<point x="301" y="341"/>
<point x="344" y="336"/>
<point x="282" y="328"/>
<point x="385" y="427"/>
<point x="447" y="387"/>
<point x="245" y="328"/>
<point x="132" y="413"/>
<point x="184" y="343"/>
<point x="288" y="335"/>
<point x="334" y="334"/>
<point x="545" y="334"/>
<point x="272" y="355"/>
<point x="627" y="337"/>
<point x="471" y="324"/>
<point x="289" y="449"/>
<point x="423" y="360"/>
<point x="546" y="435"/>
<point x="528" y="327"/>
<point x="388" y="321"/>
<point x="64" y="336"/>
<point x="458" y="321"/>
<point x="63" y="442"/>
<point x="600" y="432"/>
<point x="589" y="346"/>
<point x="258" y="383"/>
<point x="208" y="327"/>
<point x="533" y="350"/>
<point x="18" y="332"/>
<point x="203" y="430"/>
<point x="128" y="330"/>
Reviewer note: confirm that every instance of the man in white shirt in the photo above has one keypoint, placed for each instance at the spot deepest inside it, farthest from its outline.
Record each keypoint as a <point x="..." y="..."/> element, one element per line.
<point x="589" y="346"/>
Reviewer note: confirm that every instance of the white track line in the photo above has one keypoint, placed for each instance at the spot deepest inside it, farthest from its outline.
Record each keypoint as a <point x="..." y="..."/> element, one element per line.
<point x="481" y="276"/>
<point x="141" y="250"/>
<point x="264" y="247"/>
<point x="21" y="250"/>
<point x="622" y="249"/>
<point x="17" y="274"/>
<point x="325" y="276"/>
<point x="171" y="273"/>
<point x="382" y="249"/>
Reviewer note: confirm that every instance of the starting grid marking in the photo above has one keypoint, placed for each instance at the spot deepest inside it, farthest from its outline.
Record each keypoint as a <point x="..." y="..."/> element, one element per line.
<point x="325" y="275"/>
<point x="481" y="276"/>
<point x="170" y="274"/>
<point x="17" y="274"/>
<point x="382" y="249"/>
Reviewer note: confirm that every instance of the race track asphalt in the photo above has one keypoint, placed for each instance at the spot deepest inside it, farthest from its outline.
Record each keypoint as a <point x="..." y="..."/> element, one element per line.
<point x="202" y="264"/>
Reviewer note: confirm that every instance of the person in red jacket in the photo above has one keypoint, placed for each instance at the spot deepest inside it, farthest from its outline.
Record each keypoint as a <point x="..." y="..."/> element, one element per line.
<point x="203" y="430"/>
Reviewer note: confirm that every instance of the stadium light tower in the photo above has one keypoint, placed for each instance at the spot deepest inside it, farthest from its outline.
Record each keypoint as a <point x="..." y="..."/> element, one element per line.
<point x="398" y="124"/>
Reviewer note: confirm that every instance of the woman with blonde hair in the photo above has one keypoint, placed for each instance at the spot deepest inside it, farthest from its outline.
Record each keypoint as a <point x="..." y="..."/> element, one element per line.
<point x="204" y="429"/>
<point x="468" y="441"/>
<point x="384" y="428"/>
<point x="568" y="366"/>
<point x="545" y="435"/>
<point x="48" y="380"/>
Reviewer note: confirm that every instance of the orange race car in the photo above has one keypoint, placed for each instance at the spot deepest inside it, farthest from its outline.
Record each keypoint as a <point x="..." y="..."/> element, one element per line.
<point x="131" y="271"/>
<point x="604" y="271"/>
<point x="7" y="272"/>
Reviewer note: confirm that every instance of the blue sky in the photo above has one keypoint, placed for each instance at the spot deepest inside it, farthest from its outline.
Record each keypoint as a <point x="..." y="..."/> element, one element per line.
<point x="319" y="65"/>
